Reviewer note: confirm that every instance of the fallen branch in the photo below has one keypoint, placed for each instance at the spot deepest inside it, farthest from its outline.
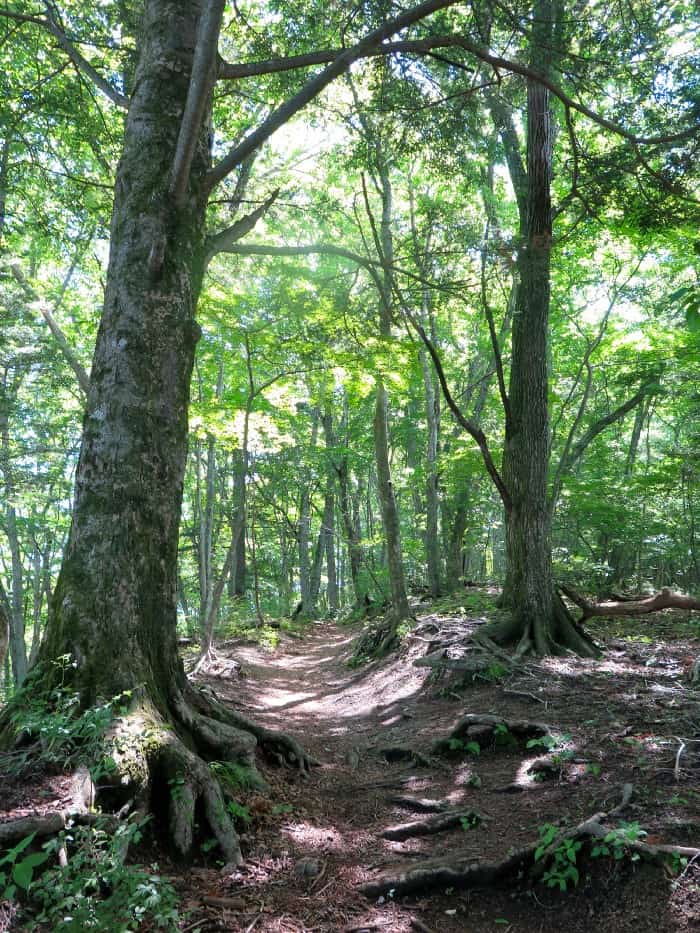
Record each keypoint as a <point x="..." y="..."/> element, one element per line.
<point x="419" y="804"/>
<point x="641" y="605"/>
<point x="49" y="825"/>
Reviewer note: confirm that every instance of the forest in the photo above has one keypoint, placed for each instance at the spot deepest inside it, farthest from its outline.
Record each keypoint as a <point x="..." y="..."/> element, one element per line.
<point x="349" y="465"/>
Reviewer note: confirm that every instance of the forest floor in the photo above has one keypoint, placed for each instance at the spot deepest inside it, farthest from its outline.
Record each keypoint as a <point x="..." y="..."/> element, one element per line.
<point x="622" y="721"/>
<point x="629" y="718"/>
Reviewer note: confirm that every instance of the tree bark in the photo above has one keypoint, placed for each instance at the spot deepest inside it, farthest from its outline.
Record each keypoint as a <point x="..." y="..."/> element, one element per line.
<point x="539" y="618"/>
<point x="387" y="501"/>
<point x="114" y="607"/>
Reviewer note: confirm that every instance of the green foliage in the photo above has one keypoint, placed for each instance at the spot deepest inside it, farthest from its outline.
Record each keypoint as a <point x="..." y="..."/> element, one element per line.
<point x="458" y="745"/>
<point x="562" y="869"/>
<point x="96" y="890"/>
<point x="234" y="777"/>
<point x="239" y="813"/>
<point x="469" y="821"/>
<point x="549" y="742"/>
<point x="503" y="737"/>
<point x="616" y="842"/>
<point x="67" y="734"/>
<point x="21" y="870"/>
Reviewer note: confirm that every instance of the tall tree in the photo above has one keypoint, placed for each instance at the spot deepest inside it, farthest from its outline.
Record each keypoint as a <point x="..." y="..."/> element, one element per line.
<point x="114" y="607"/>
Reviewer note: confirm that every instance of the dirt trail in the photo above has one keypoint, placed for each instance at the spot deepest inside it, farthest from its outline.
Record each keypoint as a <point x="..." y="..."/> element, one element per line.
<point x="314" y="840"/>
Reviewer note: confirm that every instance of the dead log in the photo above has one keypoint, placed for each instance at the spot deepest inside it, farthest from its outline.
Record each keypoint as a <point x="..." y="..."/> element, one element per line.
<point x="640" y="605"/>
<point x="440" y="823"/>
<point x="50" y="824"/>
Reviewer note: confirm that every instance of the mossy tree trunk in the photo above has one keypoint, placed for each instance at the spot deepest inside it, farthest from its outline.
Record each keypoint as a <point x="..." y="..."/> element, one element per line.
<point x="114" y="607"/>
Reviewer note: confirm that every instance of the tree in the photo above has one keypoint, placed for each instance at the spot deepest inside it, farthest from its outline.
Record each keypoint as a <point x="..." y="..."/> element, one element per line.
<point x="114" y="606"/>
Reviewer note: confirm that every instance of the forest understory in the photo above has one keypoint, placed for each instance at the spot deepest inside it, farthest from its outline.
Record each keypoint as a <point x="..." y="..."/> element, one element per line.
<point x="445" y="787"/>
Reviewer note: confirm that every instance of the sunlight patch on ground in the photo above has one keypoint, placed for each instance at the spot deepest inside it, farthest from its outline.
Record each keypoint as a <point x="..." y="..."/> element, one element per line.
<point x="277" y="699"/>
<point x="463" y="774"/>
<point x="325" y="838"/>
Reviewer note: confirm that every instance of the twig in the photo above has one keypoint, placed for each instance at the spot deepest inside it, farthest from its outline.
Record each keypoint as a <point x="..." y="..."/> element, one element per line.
<point x="679" y="754"/>
<point x="252" y="925"/>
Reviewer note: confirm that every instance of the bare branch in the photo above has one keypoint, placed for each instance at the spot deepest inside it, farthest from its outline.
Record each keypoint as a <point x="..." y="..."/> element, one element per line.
<point x="322" y="249"/>
<point x="60" y="338"/>
<point x="472" y="429"/>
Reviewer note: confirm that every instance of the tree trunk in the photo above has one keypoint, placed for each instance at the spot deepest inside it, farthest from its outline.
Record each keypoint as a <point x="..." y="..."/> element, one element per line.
<point x="387" y="501"/>
<point x="18" y="649"/>
<point x="432" y="490"/>
<point x="114" y="607"/>
<point x="304" y="532"/>
<point x="621" y="558"/>
<point x="539" y="618"/>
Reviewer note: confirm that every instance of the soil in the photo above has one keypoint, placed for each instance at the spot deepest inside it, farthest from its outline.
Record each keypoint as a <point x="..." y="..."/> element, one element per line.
<point x="629" y="718"/>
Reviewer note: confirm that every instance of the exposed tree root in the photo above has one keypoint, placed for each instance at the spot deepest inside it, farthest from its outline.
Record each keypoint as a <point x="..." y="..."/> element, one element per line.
<point x="419" y="804"/>
<point x="503" y="645"/>
<point x="161" y="764"/>
<point x="49" y="824"/>
<point x="377" y="641"/>
<point x="632" y="606"/>
<point x="488" y="730"/>
<point x="439" y="823"/>
<point x="403" y="753"/>
<point x="466" y="871"/>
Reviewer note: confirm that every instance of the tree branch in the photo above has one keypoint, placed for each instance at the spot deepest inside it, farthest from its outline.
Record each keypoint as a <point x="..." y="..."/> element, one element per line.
<point x="204" y="66"/>
<point x="70" y="357"/>
<point x="261" y="249"/>
<point x="472" y="429"/>
<point x="75" y="56"/>
<point x="577" y="450"/>
<point x="223" y="241"/>
<point x="315" y="85"/>
<point x="423" y="46"/>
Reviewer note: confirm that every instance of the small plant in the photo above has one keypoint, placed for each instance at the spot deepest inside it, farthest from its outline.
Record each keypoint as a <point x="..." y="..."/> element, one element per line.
<point x="469" y="821"/>
<point x="677" y="865"/>
<point x="282" y="809"/>
<point x="562" y="870"/>
<point x="616" y="842"/>
<point x="493" y="674"/>
<point x="549" y="742"/>
<point x="502" y="736"/>
<point x="239" y="813"/>
<point x="234" y="777"/>
<point x="471" y="748"/>
<point x="593" y="769"/>
<point x="21" y="870"/>
<point x="96" y="890"/>
<point x="68" y="736"/>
